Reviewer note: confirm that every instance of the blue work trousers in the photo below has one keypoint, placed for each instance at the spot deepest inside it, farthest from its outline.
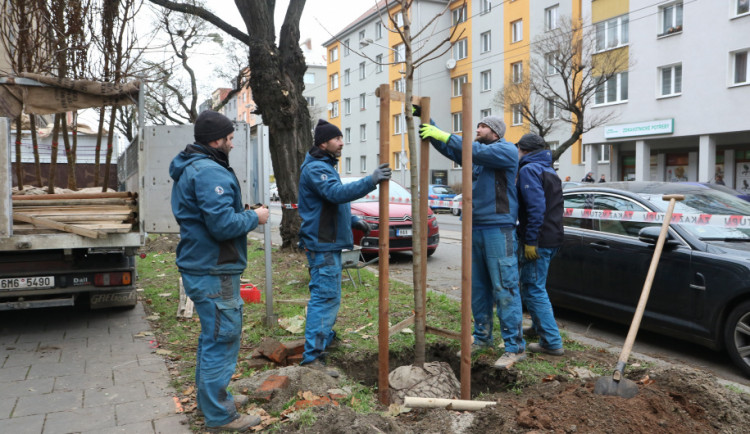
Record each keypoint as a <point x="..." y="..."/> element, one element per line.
<point x="535" y="298"/>
<point x="219" y="306"/>
<point x="494" y="281"/>
<point x="325" y="299"/>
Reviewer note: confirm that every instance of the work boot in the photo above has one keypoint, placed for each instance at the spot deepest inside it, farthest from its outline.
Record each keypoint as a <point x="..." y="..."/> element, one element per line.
<point x="320" y="366"/>
<point x="508" y="359"/>
<point x="243" y="423"/>
<point x="239" y="402"/>
<point x="538" y="348"/>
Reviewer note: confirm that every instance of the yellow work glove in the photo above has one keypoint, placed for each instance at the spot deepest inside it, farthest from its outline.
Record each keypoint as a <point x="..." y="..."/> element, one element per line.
<point x="530" y="253"/>
<point x="427" y="131"/>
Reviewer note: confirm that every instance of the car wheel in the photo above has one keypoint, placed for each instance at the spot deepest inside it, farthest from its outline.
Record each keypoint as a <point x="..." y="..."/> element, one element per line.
<point x="455" y="211"/>
<point x="737" y="336"/>
<point x="431" y="252"/>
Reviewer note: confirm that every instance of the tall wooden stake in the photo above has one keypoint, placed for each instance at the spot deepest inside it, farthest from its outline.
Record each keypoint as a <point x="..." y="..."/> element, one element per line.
<point x="424" y="171"/>
<point x="383" y="245"/>
<point x="466" y="241"/>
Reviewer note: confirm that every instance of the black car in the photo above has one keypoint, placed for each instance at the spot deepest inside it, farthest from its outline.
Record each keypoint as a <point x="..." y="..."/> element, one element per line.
<point x="701" y="290"/>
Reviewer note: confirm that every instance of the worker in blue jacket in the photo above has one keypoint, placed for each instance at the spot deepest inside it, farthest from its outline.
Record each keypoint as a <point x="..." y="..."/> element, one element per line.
<point x="211" y="256"/>
<point x="540" y="235"/>
<point x="494" y="267"/>
<point x="326" y="229"/>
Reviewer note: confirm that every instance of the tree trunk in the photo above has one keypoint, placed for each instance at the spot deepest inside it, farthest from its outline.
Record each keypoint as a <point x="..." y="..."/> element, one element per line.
<point x="19" y="163"/>
<point x="97" y="158"/>
<point x="69" y="155"/>
<point x="35" y="144"/>
<point x="110" y="138"/>
<point x="53" y="154"/>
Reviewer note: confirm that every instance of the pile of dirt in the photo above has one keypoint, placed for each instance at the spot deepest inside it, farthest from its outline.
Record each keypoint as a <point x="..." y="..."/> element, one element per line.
<point x="161" y="243"/>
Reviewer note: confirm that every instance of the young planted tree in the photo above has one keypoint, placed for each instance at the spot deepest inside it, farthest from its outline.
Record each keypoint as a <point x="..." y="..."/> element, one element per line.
<point x="565" y="73"/>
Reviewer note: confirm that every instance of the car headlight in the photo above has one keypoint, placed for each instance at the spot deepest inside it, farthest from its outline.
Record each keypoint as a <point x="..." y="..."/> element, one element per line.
<point x="434" y="223"/>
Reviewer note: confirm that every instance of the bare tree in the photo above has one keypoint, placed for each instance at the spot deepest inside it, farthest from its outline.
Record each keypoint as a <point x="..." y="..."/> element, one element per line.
<point x="276" y="81"/>
<point x="565" y="73"/>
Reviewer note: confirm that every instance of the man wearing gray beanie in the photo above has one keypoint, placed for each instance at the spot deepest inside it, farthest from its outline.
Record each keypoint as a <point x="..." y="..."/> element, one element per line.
<point x="494" y="265"/>
<point x="540" y="235"/>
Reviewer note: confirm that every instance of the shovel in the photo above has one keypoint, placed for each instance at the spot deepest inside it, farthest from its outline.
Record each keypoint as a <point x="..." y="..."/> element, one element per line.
<point x="618" y="385"/>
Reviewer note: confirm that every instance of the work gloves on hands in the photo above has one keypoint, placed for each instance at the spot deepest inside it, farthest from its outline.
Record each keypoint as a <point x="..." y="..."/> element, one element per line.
<point x="530" y="253"/>
<point x="427" y="131"/>
<point x="416" y="110"/>
<point x="362" y="226"/>
<point x="382" y="173"/>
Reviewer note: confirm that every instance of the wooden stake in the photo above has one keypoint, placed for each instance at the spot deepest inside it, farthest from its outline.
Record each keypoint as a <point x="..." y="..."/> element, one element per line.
<point x="383" y="254"/>
<point x="466" y="241"/>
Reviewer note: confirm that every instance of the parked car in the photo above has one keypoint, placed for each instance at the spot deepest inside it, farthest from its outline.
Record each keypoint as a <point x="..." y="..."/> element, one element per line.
<point x="570" y="184"/>
<point x="400" y="220"/>
<point x="274" y="192"/>
<point x="723" y="188"/>
<point x="701" y="290"/>
<point x="456" y="204"/>
<point x="438" y="192"/>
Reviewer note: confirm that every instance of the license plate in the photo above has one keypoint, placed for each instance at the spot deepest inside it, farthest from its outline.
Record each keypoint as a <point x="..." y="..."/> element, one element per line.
<point x="403" y="232"/>
<point x="19" y="283"/>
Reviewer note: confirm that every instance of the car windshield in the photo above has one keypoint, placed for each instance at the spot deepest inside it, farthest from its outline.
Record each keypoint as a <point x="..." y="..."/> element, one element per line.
<point x="442" y="189"/>
<point x="396" y="192"/>
<point x="708" y="201"/>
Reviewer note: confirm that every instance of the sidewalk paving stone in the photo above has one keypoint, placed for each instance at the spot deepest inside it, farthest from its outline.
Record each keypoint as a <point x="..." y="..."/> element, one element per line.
<point x="25" y="358"/>
<point x="80" y="419"/>
<point x="47" y="403"/>
<point x="99" y="396"/>
<point x="36" y="386"/>
<point x="16" y="373"/>
<point x="145" y="427"/>
<point x="147" y="409"/>
<point x="44" y="370"/>
<point x="6" y="406"/>
<point x="70" y="383"/>
<point x="172" y="424"/>
<point x="28" y="424"/>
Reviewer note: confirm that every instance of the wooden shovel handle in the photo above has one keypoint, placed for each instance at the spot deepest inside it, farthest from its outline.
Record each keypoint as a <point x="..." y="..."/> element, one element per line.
<point x="628" y="346"/>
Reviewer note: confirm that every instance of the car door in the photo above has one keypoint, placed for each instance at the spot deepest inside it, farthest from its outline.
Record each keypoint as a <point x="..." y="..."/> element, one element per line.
<point x="564" y="274"/>
<point x="618" y="264"/>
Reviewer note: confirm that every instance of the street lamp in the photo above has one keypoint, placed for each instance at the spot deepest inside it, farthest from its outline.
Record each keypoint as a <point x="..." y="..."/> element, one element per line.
<point x="402" y="158"/>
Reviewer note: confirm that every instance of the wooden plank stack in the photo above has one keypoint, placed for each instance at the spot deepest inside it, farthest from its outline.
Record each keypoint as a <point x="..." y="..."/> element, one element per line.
<point x="92" y="215"/>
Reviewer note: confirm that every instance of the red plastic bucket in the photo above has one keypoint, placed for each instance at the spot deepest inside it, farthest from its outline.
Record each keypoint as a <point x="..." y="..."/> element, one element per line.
<point x="249" y="293"/>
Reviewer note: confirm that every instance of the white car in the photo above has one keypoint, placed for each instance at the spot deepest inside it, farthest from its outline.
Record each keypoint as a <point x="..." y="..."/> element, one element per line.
<point x="456" y="204"/>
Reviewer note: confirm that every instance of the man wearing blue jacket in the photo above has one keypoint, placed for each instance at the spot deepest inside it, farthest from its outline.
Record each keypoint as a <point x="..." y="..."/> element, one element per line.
<point x="540" y="235"/>
<point x="211" y="256"/>
<point x="494" y="267"/>
<point x="326" y="229"/>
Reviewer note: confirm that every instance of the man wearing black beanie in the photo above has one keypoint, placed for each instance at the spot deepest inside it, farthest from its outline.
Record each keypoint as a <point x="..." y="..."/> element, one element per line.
<point x="211" y="256"/>
<point x="326" y="229"/>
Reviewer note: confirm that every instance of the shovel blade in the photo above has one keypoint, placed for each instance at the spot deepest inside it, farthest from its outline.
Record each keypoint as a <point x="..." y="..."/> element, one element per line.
<point x="609" y="386"/>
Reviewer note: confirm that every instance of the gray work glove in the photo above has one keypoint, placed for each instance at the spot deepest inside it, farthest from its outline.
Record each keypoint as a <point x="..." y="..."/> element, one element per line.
<point x="362" y="226"/>
<point x="382" y="173"/>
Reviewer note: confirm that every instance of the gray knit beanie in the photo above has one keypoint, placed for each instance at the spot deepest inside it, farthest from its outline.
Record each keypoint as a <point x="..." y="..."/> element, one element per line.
<point x="495" y="123"/>
<point x="531" y="142"/>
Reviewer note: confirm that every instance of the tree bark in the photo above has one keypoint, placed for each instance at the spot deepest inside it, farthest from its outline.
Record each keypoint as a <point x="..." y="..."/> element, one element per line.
<point x="35" y="144"/>
<point x="53" y="154"/>
<point x="19" y="163"/>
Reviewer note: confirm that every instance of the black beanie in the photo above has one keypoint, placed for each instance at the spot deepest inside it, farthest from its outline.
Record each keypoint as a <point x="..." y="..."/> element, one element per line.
<point x="531" y="142"/>
<point x="325" y="131"/>
<point x="211" y="126"/>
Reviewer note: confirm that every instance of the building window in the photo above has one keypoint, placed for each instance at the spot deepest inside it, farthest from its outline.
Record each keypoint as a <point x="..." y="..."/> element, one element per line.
<point x="334" y="113"/>
<point x="378" y="30"/>
<point x="309" y="78"/>
<point x="460" y="49"/>
<point x="457" y="82"/>
<point x="399" y="53"/>
<point x="399" y="18"/>
<point x="361" y="35"/>
<point x="516" y="31"/>
<point x="552" y="64"/>
<point x="334" y="81"/>
<point x="346" y="47"/>
<point x="379" y="63"/>
<point x="613" y="90"/>
<point x="583" y="153"/>
<point x="458" y="119"/>
<point x="458" y="15"/>
<point x="485" y="6"/>
<point x="363" y="133"/>
<point x="517" y="72"/>
<point x="397" y="161"/>
<point x="347" y="106"/>
<point x="484" y="113"/>
<point x="550" y="18"/>
<point x="552" y="111"/>
<point x="671" y="80"/>
<point x="310" y="100"/>
<point x="612" y="33"/>
<point x="362" y="70"/>
<point x="347" y="80"/>
<point x="363" y="163"/>
<point x="604" y="151"/>
<point x="333" y="54"/>
<point x="671" y="18"/>
<point x="362" y="101"/>
<point x="348" y="164"/>
<point x="486" y="42"/>
<point x="743" y="7"/>
<point x="517" y="115"/>
<point x="740" y="60"/>
<point x="398" y="124"/>
<point x="347" y="135"/>
<point x="398" y="85"/>
<point x="486" y="80"/>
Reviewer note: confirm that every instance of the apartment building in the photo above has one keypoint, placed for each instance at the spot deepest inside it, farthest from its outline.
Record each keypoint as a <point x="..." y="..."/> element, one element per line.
<point x="682" y="107"/>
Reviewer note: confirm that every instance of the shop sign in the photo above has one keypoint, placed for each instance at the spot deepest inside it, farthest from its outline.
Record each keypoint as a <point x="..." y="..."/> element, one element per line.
<point x="649" y="128"/>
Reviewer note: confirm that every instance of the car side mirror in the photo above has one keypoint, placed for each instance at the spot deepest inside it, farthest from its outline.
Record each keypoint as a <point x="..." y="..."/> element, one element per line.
<point x="650" y="234"/>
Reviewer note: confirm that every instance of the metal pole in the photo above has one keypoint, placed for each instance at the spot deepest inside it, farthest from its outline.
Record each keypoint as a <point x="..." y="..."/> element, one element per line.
<point x="383" y="244"/>
<point x="466" y="241"/>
